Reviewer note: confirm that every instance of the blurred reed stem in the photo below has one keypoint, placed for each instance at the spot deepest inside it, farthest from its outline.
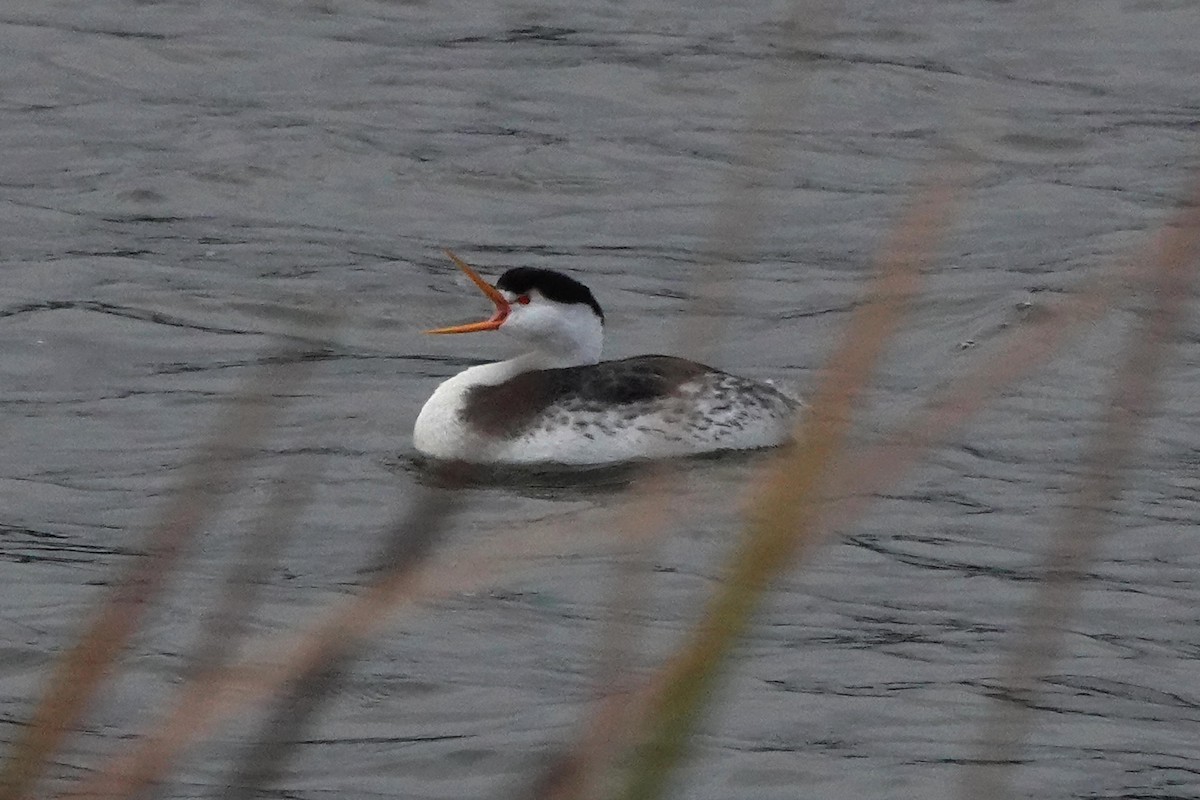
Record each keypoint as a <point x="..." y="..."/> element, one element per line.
<point x="1088" y="518"/>
<point x="786" y="518"/>
<point x="209" y="475"/>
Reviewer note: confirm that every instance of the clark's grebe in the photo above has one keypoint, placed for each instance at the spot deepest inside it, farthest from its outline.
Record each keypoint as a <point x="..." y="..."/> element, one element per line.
<point x="558" y="403"/>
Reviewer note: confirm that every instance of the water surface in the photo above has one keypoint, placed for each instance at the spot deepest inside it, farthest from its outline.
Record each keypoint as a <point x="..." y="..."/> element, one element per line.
<point x="180" y="178"/>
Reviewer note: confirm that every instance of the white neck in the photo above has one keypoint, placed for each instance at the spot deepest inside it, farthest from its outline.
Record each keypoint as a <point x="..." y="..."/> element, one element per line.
<point x="577" y="354"/>
<point x="500" y="371"/>
<point x="551" y="336"/>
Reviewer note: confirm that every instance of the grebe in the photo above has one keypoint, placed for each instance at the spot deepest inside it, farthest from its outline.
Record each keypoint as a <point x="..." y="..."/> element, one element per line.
<point x="558" y="403"/>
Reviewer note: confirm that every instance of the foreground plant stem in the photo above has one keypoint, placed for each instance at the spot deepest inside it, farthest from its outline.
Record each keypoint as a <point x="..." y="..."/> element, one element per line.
<point x="789" y="507"/>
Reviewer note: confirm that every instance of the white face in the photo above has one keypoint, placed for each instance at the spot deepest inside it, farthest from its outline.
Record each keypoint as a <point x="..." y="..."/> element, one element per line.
<point x="568" y="330"/>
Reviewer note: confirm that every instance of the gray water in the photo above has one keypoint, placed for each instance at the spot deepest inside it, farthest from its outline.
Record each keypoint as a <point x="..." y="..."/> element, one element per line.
<point x="179" y="177"/>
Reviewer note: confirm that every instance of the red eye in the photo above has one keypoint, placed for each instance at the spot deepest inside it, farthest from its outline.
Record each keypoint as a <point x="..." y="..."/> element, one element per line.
<point x="523" y="299"/>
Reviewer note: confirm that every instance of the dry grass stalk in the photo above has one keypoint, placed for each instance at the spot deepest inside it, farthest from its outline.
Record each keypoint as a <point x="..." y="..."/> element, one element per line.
<point x="263" y="763"/>
<point x="204" y="703"/>
<point x="210" y="475"/>
<point x="1088" y="517"/>
<point x="643" y="520"/>
<point x="225" y="626"/>
<point x="409" y="544"/>
<point x="220" y="692"/>
<point x="860" y="476"/>
<point x="788" y="509"/>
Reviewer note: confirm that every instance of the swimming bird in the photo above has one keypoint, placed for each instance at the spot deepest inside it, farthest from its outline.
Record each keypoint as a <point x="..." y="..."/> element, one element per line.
<point x="558" y="403"/>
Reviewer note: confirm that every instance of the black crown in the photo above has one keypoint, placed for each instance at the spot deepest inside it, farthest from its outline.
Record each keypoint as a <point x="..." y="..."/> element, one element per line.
<point x="552" y="285"/>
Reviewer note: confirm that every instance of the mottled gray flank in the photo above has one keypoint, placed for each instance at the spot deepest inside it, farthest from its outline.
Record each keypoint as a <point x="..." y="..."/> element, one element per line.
<point x="679" y="399"/>
<point x="178" y="177"/>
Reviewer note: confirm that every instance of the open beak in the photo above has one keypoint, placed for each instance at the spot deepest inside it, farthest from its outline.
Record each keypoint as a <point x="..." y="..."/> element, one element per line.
<point x="502" y="305"/>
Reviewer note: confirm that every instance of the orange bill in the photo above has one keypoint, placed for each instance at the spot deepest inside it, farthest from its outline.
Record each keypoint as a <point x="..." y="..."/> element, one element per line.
<point x="502" y="305"/>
